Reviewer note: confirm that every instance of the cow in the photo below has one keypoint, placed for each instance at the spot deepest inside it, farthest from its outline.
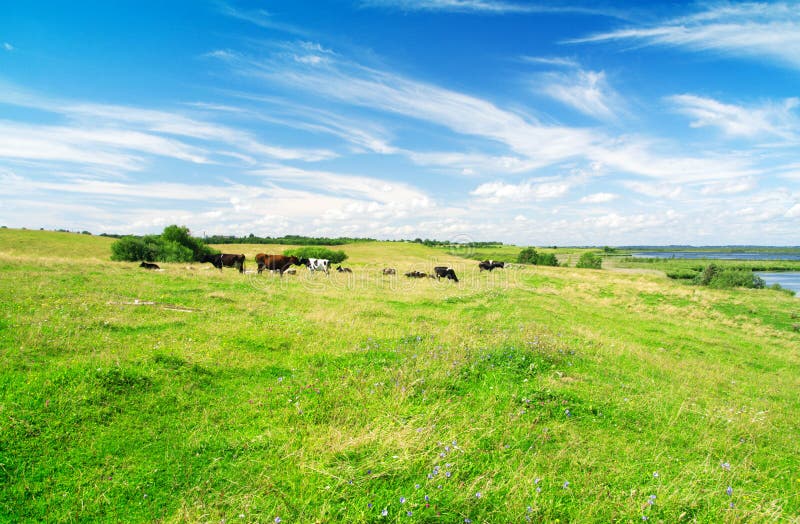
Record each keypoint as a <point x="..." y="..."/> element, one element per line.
<point x="318" y="264"/>
<point x="416" y="274"/>
<point x="389" y="271"/>
<point x="445" y="272"/>
<point x="341" y="269"/>
<point x="277" y="262"/>
<point x="149" y="265"/>
<point x="489" y="265"/>
<point x="225" y="259"/>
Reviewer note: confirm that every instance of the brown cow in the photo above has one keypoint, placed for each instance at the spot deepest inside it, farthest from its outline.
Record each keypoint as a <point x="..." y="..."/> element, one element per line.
<point x="277" y="262"/>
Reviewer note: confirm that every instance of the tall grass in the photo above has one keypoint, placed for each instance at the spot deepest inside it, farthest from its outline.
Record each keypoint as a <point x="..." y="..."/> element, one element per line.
<point x="526" y="394"/>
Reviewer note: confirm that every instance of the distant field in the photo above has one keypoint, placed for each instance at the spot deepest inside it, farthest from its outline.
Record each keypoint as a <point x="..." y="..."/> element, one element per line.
<point x="531" y="394"/>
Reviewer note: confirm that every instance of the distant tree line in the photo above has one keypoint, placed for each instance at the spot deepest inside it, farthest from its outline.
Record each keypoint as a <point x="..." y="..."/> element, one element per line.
<point x="298" y="240"/>
<point x="174" y="244"/>
<point x="445" y="243"/>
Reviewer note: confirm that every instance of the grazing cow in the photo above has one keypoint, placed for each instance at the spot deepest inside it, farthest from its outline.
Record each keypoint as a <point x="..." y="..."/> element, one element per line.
<point x="279" y="263"/>
<point x="389" y="271"/>
<point x="445" y="272"/>
<point x="416" y="274"/>
<point x="318" y="264"/>
<point x="226" y="260"/>
<point x="489" y="265"/>
<point x="341" y="269"/>
<point x="149" y="265"/>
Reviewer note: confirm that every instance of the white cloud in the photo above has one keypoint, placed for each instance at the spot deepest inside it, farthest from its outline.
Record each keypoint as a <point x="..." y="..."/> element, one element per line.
<point x="598" y="198"/>
<point x="495" y="192"/>
<point x="7" y="46"/>
<point x="551" y="61"/>
<point x="793" y="212"/>
<point x="755" y="30"/>
<point x="779" y="119"/>
<point x="585" y="91"/>
<point x="729" y="187"/>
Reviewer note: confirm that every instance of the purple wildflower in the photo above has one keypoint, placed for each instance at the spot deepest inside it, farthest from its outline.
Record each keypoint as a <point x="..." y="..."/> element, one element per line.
<point x="402" y="500"/>
<point x="729" y="491"/>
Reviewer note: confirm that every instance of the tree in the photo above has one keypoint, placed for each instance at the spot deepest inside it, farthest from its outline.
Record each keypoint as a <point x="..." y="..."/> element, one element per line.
<point x="590" y="260"/>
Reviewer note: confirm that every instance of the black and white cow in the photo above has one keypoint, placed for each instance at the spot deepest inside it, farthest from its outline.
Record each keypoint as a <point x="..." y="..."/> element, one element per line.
<point x="445" y="272"/>
<point x="489" y="265"/>
<point x="318" y="264"/>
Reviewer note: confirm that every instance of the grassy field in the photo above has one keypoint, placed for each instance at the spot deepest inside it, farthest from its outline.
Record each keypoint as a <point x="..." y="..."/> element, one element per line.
<point x="539" y="394"/>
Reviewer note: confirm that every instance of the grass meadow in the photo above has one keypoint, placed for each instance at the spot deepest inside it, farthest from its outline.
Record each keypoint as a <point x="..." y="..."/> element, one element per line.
<point x="535" y="394"/>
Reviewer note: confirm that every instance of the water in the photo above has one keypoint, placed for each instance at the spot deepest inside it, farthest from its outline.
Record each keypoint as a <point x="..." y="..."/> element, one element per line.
<point x="717" y="255"/>
<point x="786" y="279"/>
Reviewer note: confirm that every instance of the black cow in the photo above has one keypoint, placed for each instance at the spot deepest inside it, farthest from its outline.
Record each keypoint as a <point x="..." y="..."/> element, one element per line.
<point x="278" y="262"/>
<point x="227" y="260"/>
<point x="489" y="265"/>
<point x="341" y="269"/>
<point x="445" y="272"/>
<point x="149" y="265"/>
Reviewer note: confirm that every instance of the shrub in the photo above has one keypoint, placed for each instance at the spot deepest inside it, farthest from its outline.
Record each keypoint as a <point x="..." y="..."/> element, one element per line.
<point x="716" y="277"/>
<point x="590" y="260"/>
<point x="173" y="245"/>
<point x="132" y="249"/>
<point x="335" y="257"/>
<point x="529" y="255"/>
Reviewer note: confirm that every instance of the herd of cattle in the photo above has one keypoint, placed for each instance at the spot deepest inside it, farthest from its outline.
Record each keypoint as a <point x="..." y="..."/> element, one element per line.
<point x="283" y="264"/>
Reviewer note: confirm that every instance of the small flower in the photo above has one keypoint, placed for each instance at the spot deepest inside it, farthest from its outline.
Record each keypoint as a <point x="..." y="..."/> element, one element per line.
<point x="538" y="489"/>
<point x="384" y="512"/>
<point x="478" y="495"/>
<point x="529" y="509"/>
<point x="726" y="466"/>
<point x="566" y="412"/>
<point x="566" y="484"/>
<point x="537" y="480"/>
<point x="729" y="491"/>
<point x="655" y="474"/>
<point x="241" y="515"/>
<point x="427" y="498"/>
<point x="277" y="519"/>
<point x="416" y="486"/>
<point x="467" y="521"/>
<point x="447" y="474"/>
<point x="369" y="505"/>
<point x="644" y="517"/>
<point x="402" y="500"/>
<point x="408" y="513"/>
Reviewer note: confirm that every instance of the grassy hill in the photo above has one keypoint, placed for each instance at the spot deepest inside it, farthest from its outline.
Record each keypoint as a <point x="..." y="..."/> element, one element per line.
<point x="532" y="394"/>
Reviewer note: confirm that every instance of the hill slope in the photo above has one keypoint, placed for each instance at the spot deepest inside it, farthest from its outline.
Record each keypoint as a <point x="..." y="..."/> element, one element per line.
<point x="550" y="393"/>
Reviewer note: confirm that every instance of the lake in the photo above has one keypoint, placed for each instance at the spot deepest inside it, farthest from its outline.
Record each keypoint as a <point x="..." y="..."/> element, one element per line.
<point x="717" y="255"/>
<point x="786" y="279"/>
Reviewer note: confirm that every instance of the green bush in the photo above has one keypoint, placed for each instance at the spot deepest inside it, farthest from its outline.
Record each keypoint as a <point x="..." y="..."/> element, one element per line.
<point x="132" y="249"/>
<point x="590" y="260"/>
<point x="717" y="277"/>
<point x="529" y="255"/>
<point x="173" y="245"/>
<point x="335" y="257"/>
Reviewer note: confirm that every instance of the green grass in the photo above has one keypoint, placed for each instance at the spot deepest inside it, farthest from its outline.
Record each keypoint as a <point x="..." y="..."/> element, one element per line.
<point x="245" y="397"/>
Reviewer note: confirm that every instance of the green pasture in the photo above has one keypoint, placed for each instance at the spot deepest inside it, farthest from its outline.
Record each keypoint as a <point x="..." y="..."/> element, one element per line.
<point x="535" y="394"/>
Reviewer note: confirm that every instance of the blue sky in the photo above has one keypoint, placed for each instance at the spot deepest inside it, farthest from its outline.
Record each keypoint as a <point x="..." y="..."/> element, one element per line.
<point x="575" y="124"/>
